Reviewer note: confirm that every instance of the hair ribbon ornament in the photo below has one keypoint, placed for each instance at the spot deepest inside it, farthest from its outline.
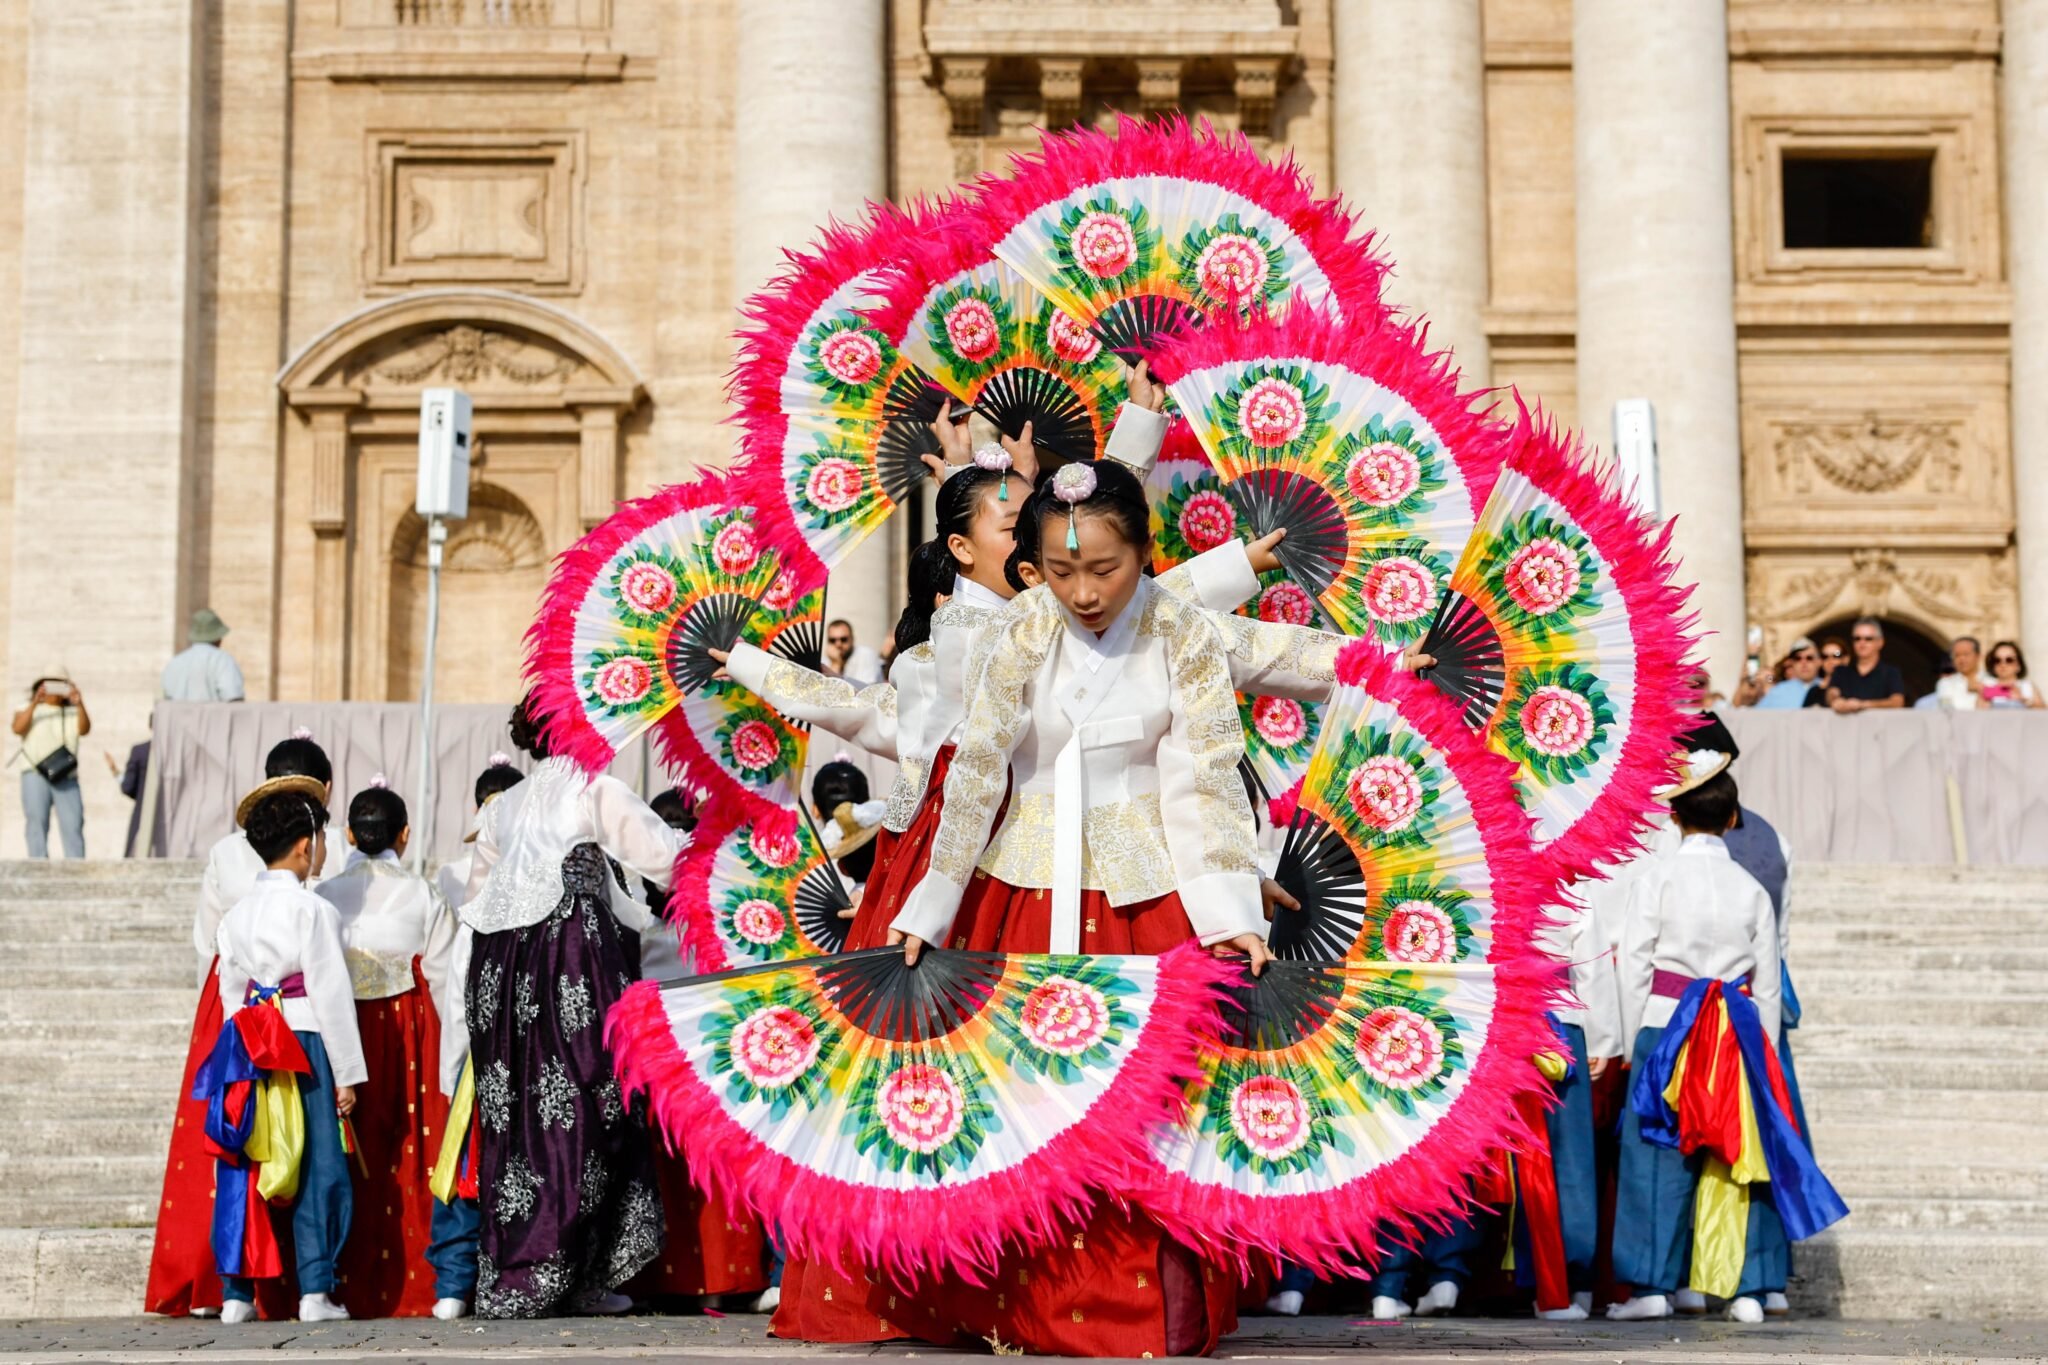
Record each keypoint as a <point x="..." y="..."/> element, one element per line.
<point x="1074" y="484"/>
<point x="995" y="460"/>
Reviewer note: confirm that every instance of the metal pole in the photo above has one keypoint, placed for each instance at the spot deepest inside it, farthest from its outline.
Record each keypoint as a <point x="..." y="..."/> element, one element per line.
<point x="437" y="537"/>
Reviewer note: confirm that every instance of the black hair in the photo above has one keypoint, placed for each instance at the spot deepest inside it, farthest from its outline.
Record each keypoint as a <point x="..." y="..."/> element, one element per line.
<point x="297" y="757"/>
<point x="376" y="817"/>
<point x="1710" y="807"/>
<point x="837" y="783"/>
<point x="280" y="820"/>
<point x="932" y="566"/>
<point x="676" y="809"/>
<point x="496" y="780"/>
<point x="529" y="727"/>
<point x="2017" y="653"/>
<point x="1119" y="498"/>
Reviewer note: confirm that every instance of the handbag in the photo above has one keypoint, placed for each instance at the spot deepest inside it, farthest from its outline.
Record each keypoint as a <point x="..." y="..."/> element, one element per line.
<point x="58" y="767"/>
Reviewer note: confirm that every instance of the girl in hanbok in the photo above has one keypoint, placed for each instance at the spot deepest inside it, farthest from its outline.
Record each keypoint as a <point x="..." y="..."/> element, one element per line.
<point x="400" y="940"/>
<point x="570" y="1203"/>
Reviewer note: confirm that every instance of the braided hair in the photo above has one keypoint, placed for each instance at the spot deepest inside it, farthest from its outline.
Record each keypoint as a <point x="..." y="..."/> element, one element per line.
<point x="932" y="566"/>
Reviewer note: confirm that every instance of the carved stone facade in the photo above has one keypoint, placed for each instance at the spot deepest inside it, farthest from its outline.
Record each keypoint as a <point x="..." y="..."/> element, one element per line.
<point x="295" y="217"/>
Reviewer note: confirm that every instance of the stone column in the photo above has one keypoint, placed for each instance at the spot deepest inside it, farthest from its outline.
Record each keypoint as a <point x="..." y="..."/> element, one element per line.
<point x="1656" y="305"/>
<point x="104" y="490"/>
<point x="1409" y="123"/>
<point x="810" y="143"/>
<point x="2025" y="104"/>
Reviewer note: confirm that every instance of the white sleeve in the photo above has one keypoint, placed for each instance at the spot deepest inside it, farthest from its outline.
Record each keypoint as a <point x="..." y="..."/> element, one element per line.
<point x="1135" y="439"/>
<point x="1766" y="983"/>
<point x="455" y="1018"/>
<point x="226" y="681"/>
<point x="865" y="716"/>
<point x="332" y="995"/>
<point x="484" y="855"/>
<point x="1635" y="970"/>
<point x="1219" y="579"/>
<point x="234" y="982"/>
<point x="207" y="916"/>
<point x="630" y="831"/>
<point x="1785" y="902"/>
<point x="1210" y="833"/>
<point x="1274" y="659"/>
<point x="437" y="957"/>
<point x="1593" y="982"/>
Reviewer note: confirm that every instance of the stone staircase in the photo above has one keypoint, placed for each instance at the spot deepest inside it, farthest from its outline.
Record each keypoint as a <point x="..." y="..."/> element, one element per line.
<point x="1924" y="1060"/>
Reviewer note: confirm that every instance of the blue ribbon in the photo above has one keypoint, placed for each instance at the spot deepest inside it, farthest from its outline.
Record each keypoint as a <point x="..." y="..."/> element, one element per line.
<point x="225" y="1066"/>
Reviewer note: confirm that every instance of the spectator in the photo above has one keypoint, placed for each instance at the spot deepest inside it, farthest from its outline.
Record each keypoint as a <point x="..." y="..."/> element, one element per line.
<point x="50" y="727"/>
<point x="1795" y="687"/>
<point x="1963" y="689"/>
<point x="857" y="664"/>
<point x="203" y="671"/>
<point x="1867" y="682"/>
<point x="1833" y="651"/>
<point x="2009" y="685"/>
<point x="131" y="779"/>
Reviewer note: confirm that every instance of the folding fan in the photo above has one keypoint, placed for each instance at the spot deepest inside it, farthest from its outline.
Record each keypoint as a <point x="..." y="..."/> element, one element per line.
<point x="917" y="1120"/>
<point x="1356" y="439"/>
<point x="632" y="609"/>
<point x="991" y="340"/>
<point x="1363" y="1076"/>
<point x="1563" y="638"/>
<point x="752" y="891"/>
<point x="729" y="740"/>
<point x="836" y="420"/>
<point x="1161" y="226"/>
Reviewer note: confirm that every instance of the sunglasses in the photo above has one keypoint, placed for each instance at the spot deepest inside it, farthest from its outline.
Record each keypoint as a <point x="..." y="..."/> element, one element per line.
<point x="1866" y="639"/>
<point x="2005" y="658"/>
<point x="838" y="639"/>
<point x="1832" y="654"/>
<point x="1805" y="658"/>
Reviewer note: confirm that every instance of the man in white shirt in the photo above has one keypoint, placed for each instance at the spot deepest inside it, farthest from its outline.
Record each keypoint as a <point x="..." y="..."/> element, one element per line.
<point x="857" y="664"/>
<point x="1963" y="690"/>
<point x="203" y="671"/>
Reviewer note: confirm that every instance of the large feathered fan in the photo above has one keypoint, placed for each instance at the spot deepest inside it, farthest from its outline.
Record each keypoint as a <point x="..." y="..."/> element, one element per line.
<point x="633" y="608"/>
<point x="917" y="1120"/>
<point x="1161" y="226"/>
<point x="836" y="420"/>
<point x="751" y="892"/>
<point x="1361" y="1082"/>
<point x="1563" y="638"/>
<point x="1355" y="438"/>
<point x="978" y="327"/>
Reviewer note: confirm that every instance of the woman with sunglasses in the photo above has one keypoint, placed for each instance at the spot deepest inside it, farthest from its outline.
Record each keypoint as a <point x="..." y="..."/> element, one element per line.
<point x="2009" y="685"/>
<point x="1796" y="686"/>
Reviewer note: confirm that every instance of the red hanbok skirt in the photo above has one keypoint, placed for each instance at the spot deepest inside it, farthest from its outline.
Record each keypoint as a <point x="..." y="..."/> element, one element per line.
<point x="182" y="1274"/>
<point x="900" y="863"/>
<point x="710" y="1247"/>
<point x="400" y="1111"/>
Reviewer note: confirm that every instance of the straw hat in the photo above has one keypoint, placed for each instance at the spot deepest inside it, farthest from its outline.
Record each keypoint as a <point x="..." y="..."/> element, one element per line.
<point x="856" y="825"/>
<point x="307" y="787"/>
<point x="1698" y="766"/>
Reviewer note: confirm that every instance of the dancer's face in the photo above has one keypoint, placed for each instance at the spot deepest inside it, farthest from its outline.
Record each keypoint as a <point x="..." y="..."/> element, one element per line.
<point x="990" y="537"/>
<point x="1097" y="580"/>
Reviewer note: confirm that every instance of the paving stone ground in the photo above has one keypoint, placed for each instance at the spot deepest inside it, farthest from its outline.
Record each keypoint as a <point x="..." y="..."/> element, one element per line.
<point x="587" y="1341"/>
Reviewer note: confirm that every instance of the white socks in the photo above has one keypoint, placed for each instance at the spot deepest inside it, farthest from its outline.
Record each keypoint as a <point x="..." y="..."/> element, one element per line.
<point x="1745" y="1309"/>
<point x="1287" y="1303"/>
<point x="236" y="1311"/>
<point x="1571" y="1313"/>
<point x="1441" y="1298"/>
<point x="1640" y="1309"/>
<point x="770" y="1299"/>
<point x="319" y="1308"/>
<point x="447" y="1310"/>
<point x="1690" y="1301"/>
<point x="1388" y="1309"/>
<point x="1776" y="1305"/>
<point x="601" y="1305"/>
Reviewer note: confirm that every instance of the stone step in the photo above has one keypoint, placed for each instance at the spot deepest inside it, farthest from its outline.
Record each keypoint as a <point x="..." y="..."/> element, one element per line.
<point x="161" y="925"/>
<point x="1826" y="1038"/>
<point x="73" y="1272"/>
<point x="155" y="965"/>
<point x="1921" y="1073"/>
<point x="1856" y="1272"/>
<point x="1999" y="1215"/>
<point x="80" y="1191"/>
<point x="1834" y="1108"/>
<point x="1811" y="942"/>
<point x="1925" y="1012"/>
<point x="1821" y="979"/>
<point x="80" y="1002"/>
<point x="1929" y="1177"/>
<point x="31" y="1138"/>
<point x="153" y="1032"/>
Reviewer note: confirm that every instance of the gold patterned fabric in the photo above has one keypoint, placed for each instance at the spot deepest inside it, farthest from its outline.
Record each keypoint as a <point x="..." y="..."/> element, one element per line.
<point x="1122" y="852"/>
<point x="376" y="976"/>
<point x="1211" y="736"/>
<point x="957" y="615"/>
<point x="1274" y="653"/>
<point x="809" y="687"/>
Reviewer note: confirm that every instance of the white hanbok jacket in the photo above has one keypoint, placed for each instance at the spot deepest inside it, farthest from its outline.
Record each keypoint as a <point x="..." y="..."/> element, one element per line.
<point x="1698" y="914"/>
<point x="231" y="871"/>
<point x="389" y="916"/>
<point x="281" y="929"/>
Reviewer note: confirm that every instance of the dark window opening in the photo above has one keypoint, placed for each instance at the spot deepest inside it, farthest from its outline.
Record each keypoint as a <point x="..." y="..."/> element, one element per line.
<point x="1837" y="201"/>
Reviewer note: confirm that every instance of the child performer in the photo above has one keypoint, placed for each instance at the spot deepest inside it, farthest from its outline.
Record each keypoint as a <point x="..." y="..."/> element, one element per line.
<point x="281" y="950"/>
<point x="848" y="821"/>
<point x="400" y="939"/>
<point x="181" y="1273"/>
<point x="452" y="1248"/>
<point x="1715" y="1177"/>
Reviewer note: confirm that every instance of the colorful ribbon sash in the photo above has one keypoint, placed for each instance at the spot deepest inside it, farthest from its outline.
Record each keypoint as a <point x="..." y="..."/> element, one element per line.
<point x="255" y="1128"/>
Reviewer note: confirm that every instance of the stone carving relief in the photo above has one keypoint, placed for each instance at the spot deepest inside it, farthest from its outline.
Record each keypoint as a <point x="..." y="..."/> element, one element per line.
<point x="1870" y="455"/>
<point x="500" y="534"/>
<point x="463" y="354"/>
<point x="1943" y="594"/>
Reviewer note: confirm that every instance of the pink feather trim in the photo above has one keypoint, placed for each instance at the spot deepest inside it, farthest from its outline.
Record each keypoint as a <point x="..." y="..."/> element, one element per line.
<point x="1382" y="346"/>
<point x="677" y="745"/>
<point x="962" y="1228"/>
<point x="1637" y="552"/>
<point x="1070" y="160"/>
<point x="1428" y="1185"/>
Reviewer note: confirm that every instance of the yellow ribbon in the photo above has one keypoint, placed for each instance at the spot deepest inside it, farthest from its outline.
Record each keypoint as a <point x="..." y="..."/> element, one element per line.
<point x="1720" y="1211"/>
<point x="277" y="1137"/>
<point x="454" y="1137"/>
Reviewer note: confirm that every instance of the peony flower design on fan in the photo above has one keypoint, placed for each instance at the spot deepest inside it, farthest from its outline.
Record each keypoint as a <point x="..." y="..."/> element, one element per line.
<point x="758" y="927"/>
<point x="1270" y="412"/>
<point x="1543" y="575"/>
<point x="1386" y="793"/>
<point x="1399" y="590"/>
<point x="1284" y="601"/>
<point x="645" y="588"/>
<point x="1206" y="520"/>
<point x="1392" y="470"/>
<point x="734" y="545"/>
<point x="1555" y="721"/>
<point x="913" y="1112"/>
<point x="771" y="853"/>
<point x="768" y="1044"/>
<point x="619" y="682"/>
<point x="1267" y="1116"/>
<point x="1171" y="523"/>
<point x="1101" y="244"/>
<point x="1071" y="1018"/>
<point x="845" y="358"/>
<point x="1067" y="337"/>
<point x="830" y="482"/>
<point x="969" y="328"/>
<point x="1406" y="1046"/>
<point x="1420" y="920"/>
<point x="1390" y="795"/>
<point x="757" y="745"/>
<point x="1279" y="732"/>
<point x="1228" y="265"/>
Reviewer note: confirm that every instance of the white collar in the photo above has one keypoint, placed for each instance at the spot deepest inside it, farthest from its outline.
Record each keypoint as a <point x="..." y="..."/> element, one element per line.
<point x="970" y="593"/>
<point x="278" y="874"/>
<point x="1711" y="844"/>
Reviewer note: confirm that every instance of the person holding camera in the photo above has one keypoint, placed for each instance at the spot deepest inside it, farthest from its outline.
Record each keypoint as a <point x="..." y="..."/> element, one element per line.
<point x="50" y="728"/>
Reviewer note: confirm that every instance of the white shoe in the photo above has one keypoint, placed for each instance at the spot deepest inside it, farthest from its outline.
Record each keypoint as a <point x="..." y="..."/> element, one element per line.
<point x="320" y="1308"/>
<point x="204" y="1313"/>
<point x="236" y="1311"/>
<point x="447" y="1310"/>
<point x="1583" y="1299"/>
<point x="1441" y="1298"/>
<point x="1776" y="1305"/>
<point x="768" y="1300"/>
<point x="603" y="1305"/>
<point x="1386" y="1308"/>
<point x="1287" y="1303"/>
<point x="1690" y="1302"/>
<point x="1574" y="1313"/>
<point x="1640" y="1310"/>
<point x="1745" y="1309"/>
